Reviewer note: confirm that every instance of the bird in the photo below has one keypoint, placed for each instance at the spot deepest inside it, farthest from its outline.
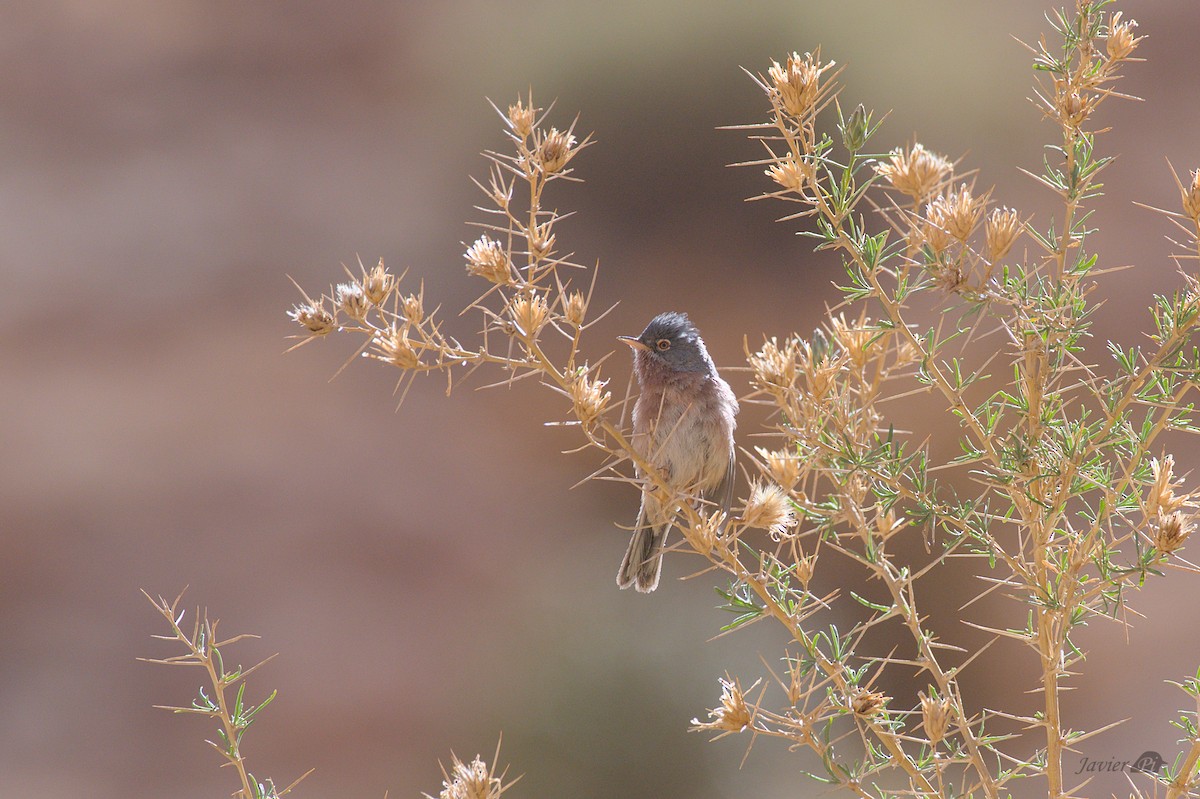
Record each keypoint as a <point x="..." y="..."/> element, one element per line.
<point x="683" y="423"/>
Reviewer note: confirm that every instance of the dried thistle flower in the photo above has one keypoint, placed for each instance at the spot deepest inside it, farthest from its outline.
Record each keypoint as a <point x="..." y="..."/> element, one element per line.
<point x="868" y="703"/>
<point x="856" y="340"/>
<point x="589" y="397"/>
<point x="521" y="118"/>
<point x="575" y="308"/>
<point x="529" y="313"/>
<point x="541" y="241"/>
<point x="1072" y="106"/>
<point x="1191" y="198"/>
<point x="915" y="172"/>
<point x="783" y="466"/>
<point x="1173" y="530"/>
<point x="787" y="173"/>
<point x="732" y="715"/>
<point x="937" y="713"/>
<point x="1121" y="42"/>
<point x="488" y="259"/>
<point x="472" y="780"/>
<point x="378" y="284"/>
<point x="352" y="300"/>
<point x="796" y="84"/>
<point x="768" y="508"/>
<point x="1002" y="228"/>
<point x="315" y="318"/>
<point x="704" y="530"/>
<point x="395" y="347"/>
<point x="553" y="150"/>
<point x="775" y="366"/>
<point x="1162" y="491"/>
<point x="963" y="213"/>
<point x="413" y="308"/>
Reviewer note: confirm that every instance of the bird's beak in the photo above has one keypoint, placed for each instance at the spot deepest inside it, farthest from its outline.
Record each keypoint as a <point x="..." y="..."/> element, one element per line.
<point x="634" y="342"/>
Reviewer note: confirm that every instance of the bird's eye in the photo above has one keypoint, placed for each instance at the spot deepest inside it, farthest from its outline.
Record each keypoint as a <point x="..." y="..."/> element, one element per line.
<point x="663" y="344"/>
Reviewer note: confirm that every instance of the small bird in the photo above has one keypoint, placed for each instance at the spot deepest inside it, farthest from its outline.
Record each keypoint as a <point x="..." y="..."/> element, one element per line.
<point x="683" y="424"/>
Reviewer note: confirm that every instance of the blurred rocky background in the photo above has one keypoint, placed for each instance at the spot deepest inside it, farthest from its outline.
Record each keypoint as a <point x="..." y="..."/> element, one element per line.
<point x="427" y="576"/>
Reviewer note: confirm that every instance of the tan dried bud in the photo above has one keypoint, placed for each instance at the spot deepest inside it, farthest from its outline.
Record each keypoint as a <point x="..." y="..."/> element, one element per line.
<point x="1073" y="107"/>
<point x="935" y="229"/>
<point x="413" y="308"/>
<point x="395" y="347"/>
<point x="522" y="118"/>
<point x="787" y="173"/>
<point x="529" y="313"/>
<point x="704" y="530"/>
<point x="589" y="397"/>
<point x="733" y="714"/>
<point x="1121" y="42"/>
<point x="1002" y="228"/>
<point x="857" y="340"/>
<point x="937" y="713"/>
<point x="805" y="566"/>
<point x="796" y="85"/>
<point x="1162" y="492"/>
<point x="887" y="525"/>
<point x="472" y="780"/>
<point x="352" y="300"/>
<point x="963" y="213"/>
<point x="915" y="172"/>
<point x="1191" y="198"/>
<point x="768" y="508"/>
<point x="782" y="466"/>
<point x="553" y="150"/>
<point x="541" y="241"/>
<point x="488" y="259"/>
<point x="1173" y="530"/>
<point x="575" y="308"/>
<point x="314" y="317"/>
<point x="378" y="284"/>
<point x="868" y="703"/>
<point x="775" y="366"/>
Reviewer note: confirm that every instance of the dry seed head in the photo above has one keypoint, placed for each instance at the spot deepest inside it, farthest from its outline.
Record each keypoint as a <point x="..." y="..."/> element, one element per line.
<point x="937" y="713"/>
<point x="1162" y="492"/>
<point x="963" y="213"/>
<point x="522" y="118"/>
<point x="774" y="366"/>
<point x="541" y="241"/>
<point x="575" y="308"/>
<point x="589" y="397"/>
<point x="315" y="318"/>
<point x="768" y="508"/>
<point x="704" y="530"/>
<point x="856" y="340"/>
<point x="796" y="85"/>
<point x="935" y="231"/>
<point x="1191" y="198"/>
<point x="1003" y="226"/>
<point x="378" y="284"/>
<point x="805" y="566"/>
<point x="868" y="703"/>
<point x="915" y="172"/>
<point x="782" y="466"/>
<point x="1172" y="532"/>
<point x="352" y="300"/>
<point x="733" y="714"/>
<point x="887" y="525"/>
<point x="412" y="308"/>
<point x="471" y="781"/>
<point x="553" y="150"/>
<point x="487" y="258"/>
<point x="787" y="173"/>
<point x="528" y="312"/>
<point x="1073" y="108"/>
<point x="1121" y="41"/>
<point x="395" y="347"/>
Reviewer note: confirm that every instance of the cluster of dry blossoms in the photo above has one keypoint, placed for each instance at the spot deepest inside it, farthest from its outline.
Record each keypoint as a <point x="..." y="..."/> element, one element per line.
<point x="1070" y="503"/>
<point x="474" y="780"/>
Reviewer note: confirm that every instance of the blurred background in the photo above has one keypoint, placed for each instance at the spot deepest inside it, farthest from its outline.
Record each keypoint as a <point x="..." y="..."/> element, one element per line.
<point x="427" y="576"/>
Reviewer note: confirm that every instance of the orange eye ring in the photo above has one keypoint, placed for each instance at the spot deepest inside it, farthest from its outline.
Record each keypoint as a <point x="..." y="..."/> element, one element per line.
<point x="663" y="344"/>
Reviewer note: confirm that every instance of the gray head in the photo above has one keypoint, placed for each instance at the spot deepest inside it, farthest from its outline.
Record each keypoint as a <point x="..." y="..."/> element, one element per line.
<point x="671" y="340"/>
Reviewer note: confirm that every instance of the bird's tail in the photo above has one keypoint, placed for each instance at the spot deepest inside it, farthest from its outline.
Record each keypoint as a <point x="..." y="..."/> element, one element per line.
<point x="642" y="563"/>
